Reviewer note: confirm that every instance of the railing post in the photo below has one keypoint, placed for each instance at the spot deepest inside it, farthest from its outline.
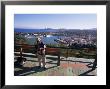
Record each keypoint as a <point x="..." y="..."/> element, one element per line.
<point x="21" y="50"/>
<point x="58" y="63"/>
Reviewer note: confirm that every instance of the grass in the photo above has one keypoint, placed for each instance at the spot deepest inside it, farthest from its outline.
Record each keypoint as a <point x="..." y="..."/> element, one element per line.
<point x="77" y="53"/>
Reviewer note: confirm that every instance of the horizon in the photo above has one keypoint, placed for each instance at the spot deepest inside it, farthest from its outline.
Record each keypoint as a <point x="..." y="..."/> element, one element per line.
<point x="56" y="21"/>
<point x="55" y="29"/>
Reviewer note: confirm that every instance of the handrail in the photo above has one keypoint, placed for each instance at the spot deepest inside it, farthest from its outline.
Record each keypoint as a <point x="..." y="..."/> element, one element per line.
<point x="53" y="51"/>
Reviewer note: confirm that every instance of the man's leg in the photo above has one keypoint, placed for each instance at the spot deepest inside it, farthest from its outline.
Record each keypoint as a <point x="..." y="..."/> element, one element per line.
<point x="44" y="61"/>
<point x="39" y="60"/>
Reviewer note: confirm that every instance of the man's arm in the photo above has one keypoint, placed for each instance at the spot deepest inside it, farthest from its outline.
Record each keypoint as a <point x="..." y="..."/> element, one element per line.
<point x="44" y="46"/>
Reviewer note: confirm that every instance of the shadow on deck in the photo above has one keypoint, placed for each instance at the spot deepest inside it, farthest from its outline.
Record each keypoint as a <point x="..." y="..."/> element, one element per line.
<point x="28" y="70"/>
<point x="87" y="73"/>
<point x="25" y="70"/>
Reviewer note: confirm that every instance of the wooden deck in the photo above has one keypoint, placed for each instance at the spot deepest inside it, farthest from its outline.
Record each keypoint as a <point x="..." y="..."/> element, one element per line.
<point x="70" y="66"/>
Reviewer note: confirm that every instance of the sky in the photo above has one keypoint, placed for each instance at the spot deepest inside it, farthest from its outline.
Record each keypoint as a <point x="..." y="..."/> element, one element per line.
<point x="55" y="21"/>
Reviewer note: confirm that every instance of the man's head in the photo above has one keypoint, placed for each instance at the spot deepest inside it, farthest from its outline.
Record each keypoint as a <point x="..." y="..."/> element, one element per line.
<point x="38" y="39"/>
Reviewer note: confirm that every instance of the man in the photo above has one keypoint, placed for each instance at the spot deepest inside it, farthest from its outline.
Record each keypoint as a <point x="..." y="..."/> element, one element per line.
<point x="40" y="53"/>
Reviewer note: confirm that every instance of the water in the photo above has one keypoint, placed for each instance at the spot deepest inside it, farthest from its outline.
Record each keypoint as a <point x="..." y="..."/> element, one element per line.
<point x="34" y="30"/>
<point x="49" y="39"/>
<point x="46" y="40"/>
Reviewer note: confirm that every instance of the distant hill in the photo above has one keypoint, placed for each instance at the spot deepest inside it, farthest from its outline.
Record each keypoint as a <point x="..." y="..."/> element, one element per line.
<point x="48" y="30"/>
<point x="34" y="30"/>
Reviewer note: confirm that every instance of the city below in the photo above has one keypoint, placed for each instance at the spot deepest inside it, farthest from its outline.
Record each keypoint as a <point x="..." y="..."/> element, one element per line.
<point x="66" y="37"/>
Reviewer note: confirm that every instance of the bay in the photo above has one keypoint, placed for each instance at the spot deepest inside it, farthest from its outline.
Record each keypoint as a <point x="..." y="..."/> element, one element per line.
<point x="49" y="39"/>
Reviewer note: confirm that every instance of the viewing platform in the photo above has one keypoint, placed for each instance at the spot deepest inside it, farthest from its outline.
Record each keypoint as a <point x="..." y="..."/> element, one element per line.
<point x="70" y="66"/>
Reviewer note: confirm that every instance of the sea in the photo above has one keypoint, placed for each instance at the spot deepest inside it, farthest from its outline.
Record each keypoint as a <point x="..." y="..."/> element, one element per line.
<point x="49" y="39"/>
